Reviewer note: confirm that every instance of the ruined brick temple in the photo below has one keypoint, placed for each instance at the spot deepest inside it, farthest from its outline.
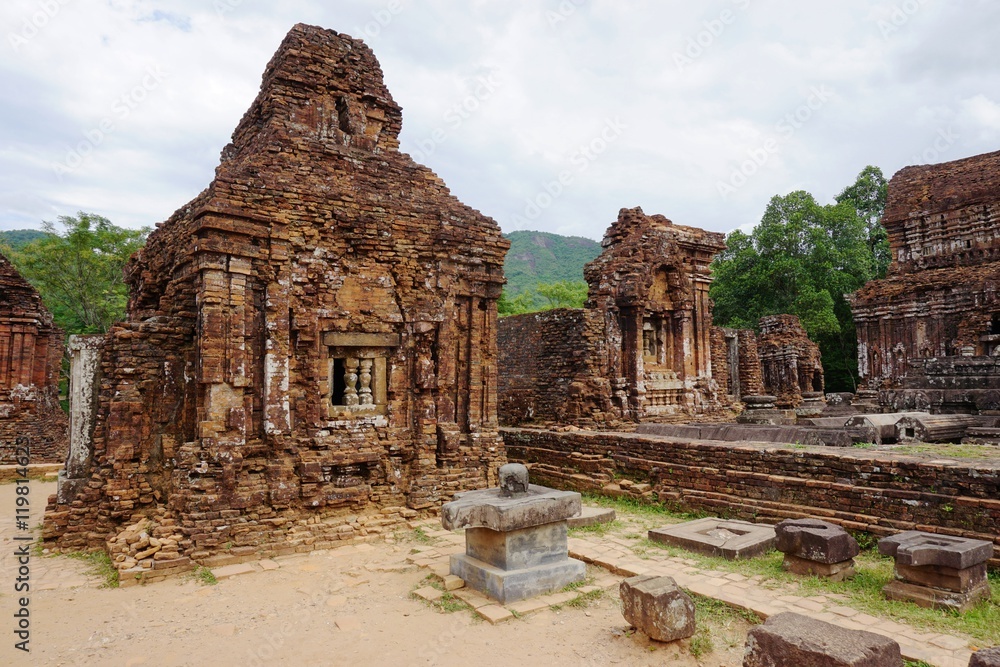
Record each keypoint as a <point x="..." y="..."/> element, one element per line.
<point x="641" y="346"/>
<point x="790" y="362"/>
<point x="309" y="352"/>
<point x="31" y="350"/>
<point x="929" y="333"/>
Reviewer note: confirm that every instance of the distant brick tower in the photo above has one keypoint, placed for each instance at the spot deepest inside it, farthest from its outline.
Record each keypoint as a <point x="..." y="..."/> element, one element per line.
<point x="31" y="350"/>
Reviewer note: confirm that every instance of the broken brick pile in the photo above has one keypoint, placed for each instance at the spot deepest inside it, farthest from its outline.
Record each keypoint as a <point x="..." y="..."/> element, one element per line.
<point x="309" y="353"/>
<point x="31" y="350"/>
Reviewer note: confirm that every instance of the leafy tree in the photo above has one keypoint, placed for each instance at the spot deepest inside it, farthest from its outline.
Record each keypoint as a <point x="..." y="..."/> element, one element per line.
<point x="522" y="303"/>
<point x="78" y="271"/>
<point x="563" y="294"/>
<point x="802" y="259"/>
<point x="868" y="195"/>
<point x="545" y="296"/>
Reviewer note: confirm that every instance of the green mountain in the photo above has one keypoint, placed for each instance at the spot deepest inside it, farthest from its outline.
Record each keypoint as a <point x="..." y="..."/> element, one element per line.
<point x="17" y="238"/>
<point x="541" y="257"/>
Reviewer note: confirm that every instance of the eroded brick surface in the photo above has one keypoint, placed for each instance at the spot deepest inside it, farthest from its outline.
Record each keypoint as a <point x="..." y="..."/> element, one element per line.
<point x="641" y="347"/>
<point x="922" y="328"/>
<point x="309" y="353"/>
<point x="31" y="349"/>
<point x="790" y="362"/>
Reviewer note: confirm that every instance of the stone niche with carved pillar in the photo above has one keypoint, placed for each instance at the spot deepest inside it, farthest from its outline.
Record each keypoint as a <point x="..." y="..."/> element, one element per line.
<point x="310" y="349"/>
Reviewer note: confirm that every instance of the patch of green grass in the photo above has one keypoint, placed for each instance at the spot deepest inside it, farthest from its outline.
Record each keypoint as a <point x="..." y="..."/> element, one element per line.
<point x="450" y="604"/>
<point x="864" y="445"/>
<point x="204" y="576"/>
<point x="586" y="581"/>
<point x="701" y="643"/>
<point x="706" y="608"/>
<point x="916" y="663"/>
<point x="419" y="535"/>
<point x="584" y="599"/>
<point x="100" y="565"/>
<point x="597" y="529"/>
<point x="945" y="450"/>
<point x="646" y="510"/>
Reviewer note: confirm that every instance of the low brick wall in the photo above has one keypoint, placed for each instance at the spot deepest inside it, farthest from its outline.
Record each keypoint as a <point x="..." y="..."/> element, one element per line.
<point x="877" y="492"/>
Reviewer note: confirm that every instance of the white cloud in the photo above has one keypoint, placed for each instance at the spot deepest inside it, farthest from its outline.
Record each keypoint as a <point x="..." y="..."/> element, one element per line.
<point x="565" y="68"/>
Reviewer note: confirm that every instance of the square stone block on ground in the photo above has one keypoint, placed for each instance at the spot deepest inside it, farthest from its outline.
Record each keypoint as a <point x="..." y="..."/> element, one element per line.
<point x="731" y="540"/>
<point x="657" y="607"/>
<point x="989" y="657"/>
<point x="794" y="639"/>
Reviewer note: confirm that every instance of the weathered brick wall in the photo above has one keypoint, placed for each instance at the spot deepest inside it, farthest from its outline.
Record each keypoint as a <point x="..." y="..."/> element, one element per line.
<point x="552" y="368"/>
<point x="721" y="361"/>
<point x="790" y="362"/>
<point x="309" y="354"/>
<point x="939" y="298"/>
<point x="944" y="215"/>
<point x="880" y="493"/>
<point x="31" y="349"/>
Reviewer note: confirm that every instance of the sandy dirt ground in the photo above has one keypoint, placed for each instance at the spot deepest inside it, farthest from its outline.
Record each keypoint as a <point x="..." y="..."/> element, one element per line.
<point x="349" y="606"/>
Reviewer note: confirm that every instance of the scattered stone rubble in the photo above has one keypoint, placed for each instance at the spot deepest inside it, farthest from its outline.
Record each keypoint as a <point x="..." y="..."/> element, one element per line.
<point x="795" y="639"/>
<point x="31" y="349"/>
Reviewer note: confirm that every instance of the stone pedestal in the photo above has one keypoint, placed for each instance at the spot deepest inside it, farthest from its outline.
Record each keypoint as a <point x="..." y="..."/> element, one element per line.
<point x="816" y="548"/>
<point x="937" y="571"/>
<point x="813" y="403"/>
<point x="515" y="541"/>
<point x="760" y="409"/>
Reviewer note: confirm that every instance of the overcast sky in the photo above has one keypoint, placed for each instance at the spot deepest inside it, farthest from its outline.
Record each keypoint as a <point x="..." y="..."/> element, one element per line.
<point x="547" y="114"/>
